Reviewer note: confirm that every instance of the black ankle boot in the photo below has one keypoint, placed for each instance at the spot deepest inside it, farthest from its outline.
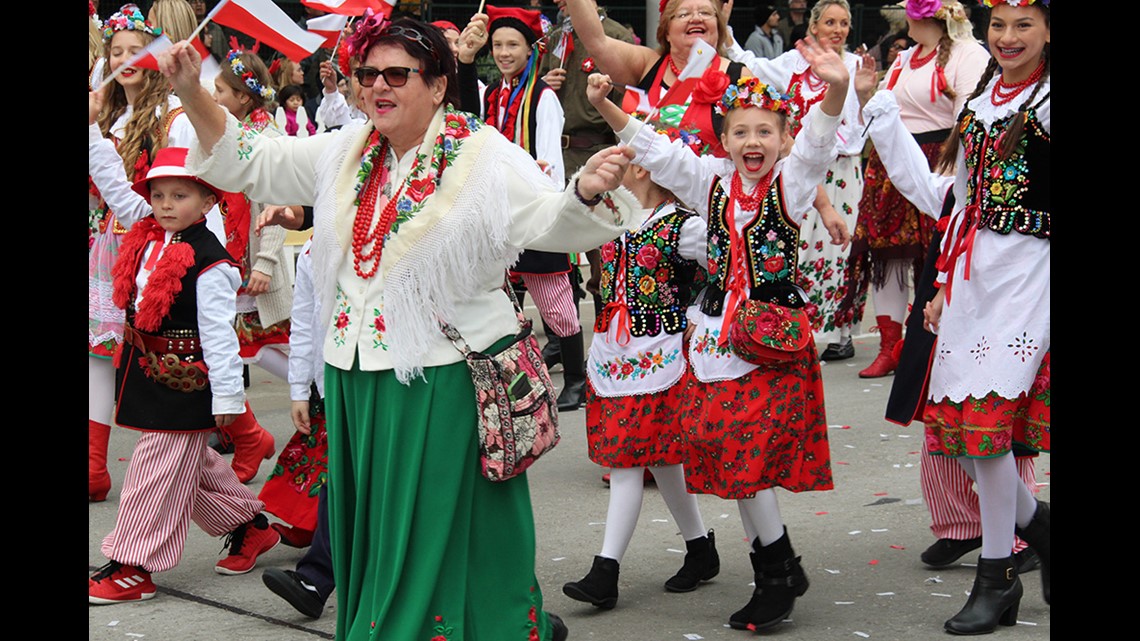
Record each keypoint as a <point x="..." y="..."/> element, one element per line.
<point x="1036" y="534"/>
<point x="993" y="599"/>
<point x="779" y="580"/>
<point x="599" y="587"/>
<point x="701" y="564"/>
<point x="573" y="373"/>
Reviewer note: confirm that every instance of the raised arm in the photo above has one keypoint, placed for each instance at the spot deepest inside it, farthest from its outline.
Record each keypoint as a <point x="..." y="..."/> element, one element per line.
<point x="903" y="159"/>
<point x="182" y="65"/>
<point x="625" y="62"/>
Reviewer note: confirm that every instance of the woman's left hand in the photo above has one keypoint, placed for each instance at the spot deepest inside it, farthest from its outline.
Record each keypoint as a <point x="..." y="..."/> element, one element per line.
<point x="826" y="64"/>
<point x="866" y="79"/>
<point x="258" y="283"/>
<point x="95" y="103"/>
<point x="603" y="171"/>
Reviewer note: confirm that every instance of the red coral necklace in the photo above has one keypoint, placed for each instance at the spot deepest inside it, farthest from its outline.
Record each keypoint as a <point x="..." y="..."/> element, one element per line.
<point x="360" y="234"/>
<point x="751" y="201"/>
<point x="1003" y="91"/>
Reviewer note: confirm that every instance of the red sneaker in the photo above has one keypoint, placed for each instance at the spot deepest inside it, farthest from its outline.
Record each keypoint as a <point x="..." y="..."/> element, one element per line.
<point x="246" y="543"/>
<point x="118" y="583"/>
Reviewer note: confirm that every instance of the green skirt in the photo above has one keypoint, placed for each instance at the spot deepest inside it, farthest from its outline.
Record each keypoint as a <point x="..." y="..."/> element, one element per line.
<point x="424" y="548"/>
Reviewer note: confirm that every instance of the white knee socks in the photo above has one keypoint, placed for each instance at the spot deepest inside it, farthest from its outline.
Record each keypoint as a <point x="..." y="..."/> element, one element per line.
<point x="626" y="490"/>
<point x="760" y="516"/>
<point x="682" y="505"/>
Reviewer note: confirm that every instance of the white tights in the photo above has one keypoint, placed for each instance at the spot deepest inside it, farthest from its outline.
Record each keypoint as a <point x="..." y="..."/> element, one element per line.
<point x="891" y="298"/>
<point x="760" y="516"/>
<point x="100" y="390"/>
<point x="1003" y="499"/>
<point x="274" y="361"/>
<point x="627" y="488"/>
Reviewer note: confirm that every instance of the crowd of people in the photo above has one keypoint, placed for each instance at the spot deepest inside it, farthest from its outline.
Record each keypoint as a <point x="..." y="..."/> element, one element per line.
<point x="737" y="201"/>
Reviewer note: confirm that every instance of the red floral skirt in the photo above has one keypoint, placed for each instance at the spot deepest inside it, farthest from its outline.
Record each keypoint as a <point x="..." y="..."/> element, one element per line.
<point x="252" y="336"/>
<point x="765" y="429"/>
<point x="988" y="427"/>
<point x="643" y="430"/>
<point x="301" y="471"/>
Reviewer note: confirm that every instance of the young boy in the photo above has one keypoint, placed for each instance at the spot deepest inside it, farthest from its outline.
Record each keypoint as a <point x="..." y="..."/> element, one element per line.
<point x="178" y="378"/>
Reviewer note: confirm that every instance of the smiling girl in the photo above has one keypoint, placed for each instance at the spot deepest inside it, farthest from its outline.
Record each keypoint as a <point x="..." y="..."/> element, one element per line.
<point x="741" y="411"/>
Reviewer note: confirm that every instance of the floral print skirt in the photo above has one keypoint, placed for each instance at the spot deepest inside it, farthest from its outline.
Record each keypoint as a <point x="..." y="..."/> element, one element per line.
<point x="290" y="492"/>
<point x="252" y="336"/>
<point x="989" y="426"/>
<point x="765" y="429"/>
<point x="642" y="430"/>
<point x="424" y="547"/>
<point x="823" y="266"/>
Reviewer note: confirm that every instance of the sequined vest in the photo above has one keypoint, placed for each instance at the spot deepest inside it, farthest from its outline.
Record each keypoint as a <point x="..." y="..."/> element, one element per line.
<point x="1012" y="194"/>
<point x="773" y="251"/>
<point x="659" y="282"/>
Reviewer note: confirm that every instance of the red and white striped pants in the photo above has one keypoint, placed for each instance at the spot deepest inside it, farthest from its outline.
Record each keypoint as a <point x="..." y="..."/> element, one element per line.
<point x="948" y="492"/>
<point x="174" y="478"/>
<point x="554" y="298"/>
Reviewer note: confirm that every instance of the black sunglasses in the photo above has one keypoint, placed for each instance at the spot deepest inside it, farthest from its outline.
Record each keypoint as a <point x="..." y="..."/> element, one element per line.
<point x="394" y="76"/>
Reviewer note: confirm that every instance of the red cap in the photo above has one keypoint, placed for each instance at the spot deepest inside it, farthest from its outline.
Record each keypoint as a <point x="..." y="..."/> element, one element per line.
<point x="444" y="25"/>
<point x="517" y="17"/>
<point x="170" y="162"/>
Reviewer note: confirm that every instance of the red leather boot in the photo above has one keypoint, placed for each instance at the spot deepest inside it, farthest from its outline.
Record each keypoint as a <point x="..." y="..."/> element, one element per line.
<point x="252" y="445"/>
<point x="98" y="479"/>
<point x="890" y="333"/>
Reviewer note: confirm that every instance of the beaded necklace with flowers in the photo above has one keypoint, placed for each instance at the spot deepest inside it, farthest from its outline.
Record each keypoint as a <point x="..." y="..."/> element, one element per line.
<point x="421" y="182"/>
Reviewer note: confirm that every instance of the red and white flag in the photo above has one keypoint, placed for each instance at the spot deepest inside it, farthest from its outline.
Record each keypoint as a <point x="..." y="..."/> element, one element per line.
<point x="350" y="7"/>
<point x="328" y="27"/>
<point x="635" y="101"/>
<point x="160" y="44"/>
<point x="701" y="56"/>
<point x="266" y="22"/>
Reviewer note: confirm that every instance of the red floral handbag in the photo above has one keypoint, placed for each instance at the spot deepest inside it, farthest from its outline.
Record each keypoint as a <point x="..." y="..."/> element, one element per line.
<point x="762" y="333"/>
<point x="518" y="414"/>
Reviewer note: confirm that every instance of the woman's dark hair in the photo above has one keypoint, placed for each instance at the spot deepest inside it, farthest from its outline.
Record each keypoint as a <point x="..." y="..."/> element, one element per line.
<point x="430" y="49"/>
<point x="288" y="91"/>
<point x="948" y="157"/>
<point x="889" y="41"/>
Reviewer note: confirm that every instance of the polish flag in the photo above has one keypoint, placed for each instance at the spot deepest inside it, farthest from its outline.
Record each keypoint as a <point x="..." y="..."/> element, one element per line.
<point x="162" y="43"/>
<point x="351" y="7"/>
<point x="635" y="100"/>
<point x="266" y="22"/>
<point x="328" y="27"/>
<point x="700" y="57"/>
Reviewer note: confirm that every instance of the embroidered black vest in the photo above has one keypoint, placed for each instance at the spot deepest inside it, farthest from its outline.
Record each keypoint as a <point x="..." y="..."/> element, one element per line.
<point x="772" y="240"/>
<point x="1014" y="192"/>
<point x="146" y="403"/>
<point x="658" y="280"/>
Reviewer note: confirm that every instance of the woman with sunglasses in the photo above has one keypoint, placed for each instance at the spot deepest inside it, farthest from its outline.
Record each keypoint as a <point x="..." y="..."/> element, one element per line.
<point x="417" y="215"/>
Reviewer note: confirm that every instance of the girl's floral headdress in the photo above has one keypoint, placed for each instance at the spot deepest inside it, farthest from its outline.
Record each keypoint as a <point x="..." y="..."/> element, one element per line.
<point x="750" y="92"/>
<point x="1013" y="3"/>
<point x="128" y="18"/>
<point x="234" y="58"/>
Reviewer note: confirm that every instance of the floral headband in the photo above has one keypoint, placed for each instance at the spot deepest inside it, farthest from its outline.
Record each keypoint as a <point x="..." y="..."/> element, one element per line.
<point x="234" y="58"/>
<point x="1013" y="3"/>
<point x="716" y="88"/>
<point x="128" y="18"/>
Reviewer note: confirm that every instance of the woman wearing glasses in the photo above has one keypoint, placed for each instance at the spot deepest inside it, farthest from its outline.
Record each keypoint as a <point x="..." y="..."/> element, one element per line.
<point x="417" y="214"/>
<point x="684" y="24"/>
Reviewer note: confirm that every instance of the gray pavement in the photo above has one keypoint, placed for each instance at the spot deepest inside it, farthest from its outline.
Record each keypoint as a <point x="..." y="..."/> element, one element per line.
<point x="859" y="542"/>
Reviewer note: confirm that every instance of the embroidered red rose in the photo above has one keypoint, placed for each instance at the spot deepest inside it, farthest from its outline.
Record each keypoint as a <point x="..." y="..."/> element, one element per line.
<point x="626" y="369"/>
<point x="341" y="320"/>
<point x="420" y="189"/>
<point x="379" y="324"/>
<point x="768" y="323"/>
<point x="533" y="615"/>
<point x="648" y="256"/>
<point x="710" y="88"/>
<point x="439" y="637"/>
<point x="662" y="275"/>
<point x="774" y="264"/>
<point x="608" y="252"/>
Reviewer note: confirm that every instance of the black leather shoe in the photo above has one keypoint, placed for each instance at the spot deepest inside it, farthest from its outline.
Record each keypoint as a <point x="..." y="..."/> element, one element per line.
<point x="944" y="552"/>
<point x="558" y="629"/>
<point x="289" y="585"/>
<point x="838" y="351"/>
<point x="1026" y="561"/>
<point x="599" y="587"/>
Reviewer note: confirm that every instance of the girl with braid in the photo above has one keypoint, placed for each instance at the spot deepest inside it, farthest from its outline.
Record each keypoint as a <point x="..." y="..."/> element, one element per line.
<point x="990" y="382"/>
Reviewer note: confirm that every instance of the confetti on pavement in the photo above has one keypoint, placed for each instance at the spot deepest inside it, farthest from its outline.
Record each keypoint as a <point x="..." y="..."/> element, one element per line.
<point x="692" y="636"/>
<point x="831" y="571"/>
<point x="558" y="558"/>
<point x="882" y="529"/>
<point x="862" y="634"/>
<point x="949" y="596"/>
<point x="873" y="562"/>
<point x="884" y="594"/>
<point x="844" y="603"/>
<point x="674" y="550"/>
<point x="897" y="547"/>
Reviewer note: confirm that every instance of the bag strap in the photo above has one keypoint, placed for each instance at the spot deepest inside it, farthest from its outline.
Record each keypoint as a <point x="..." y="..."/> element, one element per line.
<point x="456" y="338"/>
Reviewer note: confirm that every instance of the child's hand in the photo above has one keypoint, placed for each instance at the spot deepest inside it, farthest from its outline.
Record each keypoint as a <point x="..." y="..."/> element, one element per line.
<point x="300" y="414"/>
<point x="603" y="171"/>
<point x="932" y="313"/>
<point x="866" y="79"/>
<point x="280" y="215"/>
<point x="473" y="38"/>
<point x="95" y="101"/>
<point x="598" y="87"/>
<point x="837" y="228"/>
<point x="826" y="64"/>
<point x="222" y="420"/>
<point x="328" y="76"/>
<point x="258" y="283"/>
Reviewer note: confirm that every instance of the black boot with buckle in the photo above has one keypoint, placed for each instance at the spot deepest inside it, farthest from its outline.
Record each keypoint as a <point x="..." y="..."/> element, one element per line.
<point x="780" y="579"/>
<point x="994" y="599"/>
